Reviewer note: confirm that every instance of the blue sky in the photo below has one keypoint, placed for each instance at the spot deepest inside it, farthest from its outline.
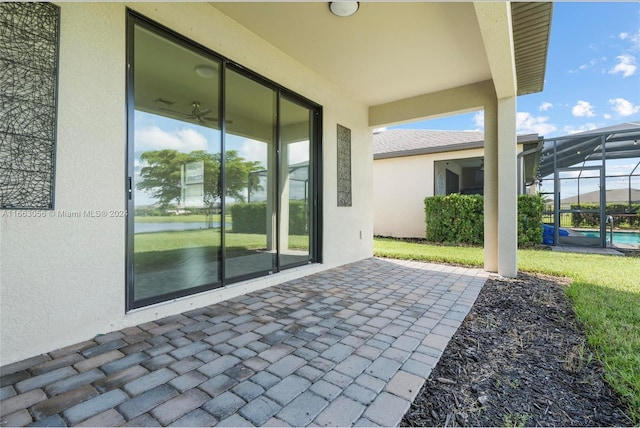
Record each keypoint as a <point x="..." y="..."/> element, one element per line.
<point x="592" y="78"/>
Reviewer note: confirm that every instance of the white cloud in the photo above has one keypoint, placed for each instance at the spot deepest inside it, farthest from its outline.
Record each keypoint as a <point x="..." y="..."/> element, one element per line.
<point x="584" y="66"/>
<point x="526" y="123"/>
<point x="583" y="108"/>
<point x="581" y="128"/>
<point x="623" y="107"/>
<point x="184" y="140"/>
<point x="626" y="65"/>
<point x="634" y="38"/>
<point x="545" y="106"/>
<point x="298" y="152"/>
<point x="607" y="116"/>
<point x="250" y="150"/>
<point x="478" y="119"/>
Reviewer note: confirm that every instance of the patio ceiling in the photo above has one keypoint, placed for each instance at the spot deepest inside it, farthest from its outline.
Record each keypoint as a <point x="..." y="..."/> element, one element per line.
<point x="390" y="51"/>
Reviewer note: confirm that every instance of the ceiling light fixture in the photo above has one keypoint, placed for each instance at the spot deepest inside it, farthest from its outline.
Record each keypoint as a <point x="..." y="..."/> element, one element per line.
<point x="344" y="8"/>
<point x="205" y="71"/>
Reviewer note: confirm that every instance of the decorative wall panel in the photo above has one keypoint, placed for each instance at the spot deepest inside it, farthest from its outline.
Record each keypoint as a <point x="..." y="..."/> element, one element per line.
<point x="29" y="34"/>
<point x="344" y="166"/>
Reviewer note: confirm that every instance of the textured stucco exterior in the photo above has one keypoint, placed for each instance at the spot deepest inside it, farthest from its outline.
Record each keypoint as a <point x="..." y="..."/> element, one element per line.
<point x="63" y="278"/>
<point x="62" y="274"/>
<point x="400" y="185"/>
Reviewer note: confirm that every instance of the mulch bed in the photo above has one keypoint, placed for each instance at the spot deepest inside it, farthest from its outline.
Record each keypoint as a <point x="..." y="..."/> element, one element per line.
<point x="520" y="358"/>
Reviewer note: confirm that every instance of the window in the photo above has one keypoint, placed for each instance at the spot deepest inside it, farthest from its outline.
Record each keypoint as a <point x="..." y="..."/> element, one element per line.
<point x="222" y="166"/>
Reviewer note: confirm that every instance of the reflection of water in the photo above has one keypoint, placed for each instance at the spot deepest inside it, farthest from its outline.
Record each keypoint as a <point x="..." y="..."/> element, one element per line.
<point x="176" y="226"/>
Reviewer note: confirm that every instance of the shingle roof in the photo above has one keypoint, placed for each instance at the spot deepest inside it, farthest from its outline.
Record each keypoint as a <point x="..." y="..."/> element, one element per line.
<point x="408" y="142"/>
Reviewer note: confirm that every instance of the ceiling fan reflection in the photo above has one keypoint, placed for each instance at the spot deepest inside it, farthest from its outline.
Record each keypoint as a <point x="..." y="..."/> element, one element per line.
<point x="197" y="113"/>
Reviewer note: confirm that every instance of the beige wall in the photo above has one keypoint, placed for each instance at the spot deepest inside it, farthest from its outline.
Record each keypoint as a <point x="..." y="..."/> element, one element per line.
<point x="400" y="186"/>
<point x="63" y="279"/>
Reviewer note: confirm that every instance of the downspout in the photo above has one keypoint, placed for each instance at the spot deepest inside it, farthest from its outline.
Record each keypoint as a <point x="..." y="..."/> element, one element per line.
<point x="521" y="155"/>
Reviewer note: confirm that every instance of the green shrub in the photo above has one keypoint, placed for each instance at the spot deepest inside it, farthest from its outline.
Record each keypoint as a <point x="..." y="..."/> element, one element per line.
<point x="252" y="218"/>
<point x="455" y="218"/>
<point x="460" y="219"/>
<point x="530" y="209"/>
<point x="249" y="218"/>
<point x="582" y="219"/>
<point x="298" y="218"/>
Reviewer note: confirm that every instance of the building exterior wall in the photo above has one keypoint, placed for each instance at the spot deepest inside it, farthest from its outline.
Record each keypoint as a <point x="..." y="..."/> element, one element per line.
<point x="400" y="186"/>
<point x="63" y="278"/>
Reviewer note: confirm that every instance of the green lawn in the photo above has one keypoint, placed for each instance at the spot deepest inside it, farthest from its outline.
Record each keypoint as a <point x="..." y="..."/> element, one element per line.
<point x="195" y="218"/>
<point x="605" y="292"/>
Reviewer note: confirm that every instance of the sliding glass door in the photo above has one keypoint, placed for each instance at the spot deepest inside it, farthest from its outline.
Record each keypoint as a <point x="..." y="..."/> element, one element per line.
<point x="249" y="173"/>
<point x="223" y="167"/>
<point x="175" y="220"/>
<point x="296" y="179"/>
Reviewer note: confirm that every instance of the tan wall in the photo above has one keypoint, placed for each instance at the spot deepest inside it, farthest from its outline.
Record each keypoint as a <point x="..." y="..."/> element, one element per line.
<point x="63" y="279"/>
<point x="400" y="186"/>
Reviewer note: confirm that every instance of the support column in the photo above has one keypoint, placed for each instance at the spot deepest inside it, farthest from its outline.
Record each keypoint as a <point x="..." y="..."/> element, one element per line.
<point x="491" y="186"/>
<point x="271" y="195"/>
<point x="284" y="196"/>
<point x="507" y="189"/>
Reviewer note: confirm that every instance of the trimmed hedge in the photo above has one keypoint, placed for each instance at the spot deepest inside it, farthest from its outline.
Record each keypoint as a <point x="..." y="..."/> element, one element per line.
<point x="530" y="209"/>
<point x="593" y="219"/>
<point x="455" y="218"/>
<point x="460" y="219"/>
<point x="249" y="218"/>
<point x="252" y="218"/>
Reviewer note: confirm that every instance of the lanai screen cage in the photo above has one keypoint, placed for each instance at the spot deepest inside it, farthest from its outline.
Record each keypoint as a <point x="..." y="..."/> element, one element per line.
<point x="298" y="188"/>
<point x="591" y="185"/>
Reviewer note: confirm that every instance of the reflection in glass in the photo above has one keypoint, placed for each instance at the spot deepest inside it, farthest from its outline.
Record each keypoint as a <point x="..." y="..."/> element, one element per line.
<point x="250" y="165"/>
<point x="295" y="176"/>
<point x="201" y="217"/>
<point x="176" y="182"/>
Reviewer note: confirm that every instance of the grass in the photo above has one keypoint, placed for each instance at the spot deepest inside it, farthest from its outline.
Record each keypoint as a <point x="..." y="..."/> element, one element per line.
<point x="195" y="218"/>
<point x="605" y="292"/>
<point x="167" y="241"/>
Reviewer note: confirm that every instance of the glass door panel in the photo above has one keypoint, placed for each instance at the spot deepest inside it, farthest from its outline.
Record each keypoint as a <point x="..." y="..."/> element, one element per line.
<point x="176" y="223"/>
<point x="249" y="177"/>
<point x="295" y="183"/>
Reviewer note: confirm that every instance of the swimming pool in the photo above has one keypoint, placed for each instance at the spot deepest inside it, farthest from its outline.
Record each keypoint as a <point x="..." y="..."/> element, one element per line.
<point x="631" y="238"/>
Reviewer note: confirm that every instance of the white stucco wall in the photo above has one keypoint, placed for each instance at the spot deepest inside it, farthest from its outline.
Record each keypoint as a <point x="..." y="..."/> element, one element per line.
<point x="63" y="279"/>
<point x="400" y="186"/>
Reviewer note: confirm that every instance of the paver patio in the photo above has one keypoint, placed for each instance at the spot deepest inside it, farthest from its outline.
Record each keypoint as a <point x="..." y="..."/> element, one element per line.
<point x="349" y="346"/>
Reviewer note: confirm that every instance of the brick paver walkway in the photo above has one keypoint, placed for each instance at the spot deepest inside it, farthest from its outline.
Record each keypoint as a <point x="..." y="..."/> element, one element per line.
<point x="348" y="346"/>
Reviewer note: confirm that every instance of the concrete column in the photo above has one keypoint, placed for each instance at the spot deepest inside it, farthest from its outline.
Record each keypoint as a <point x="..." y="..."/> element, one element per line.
<point x="271" y="203"/>
<point x="507" y="189"/>
<point x="491" y="186"/>
<point x="284" y="196"/>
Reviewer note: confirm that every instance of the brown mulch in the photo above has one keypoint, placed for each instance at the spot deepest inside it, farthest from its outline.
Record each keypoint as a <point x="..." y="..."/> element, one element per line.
<point x="520" y="358"/>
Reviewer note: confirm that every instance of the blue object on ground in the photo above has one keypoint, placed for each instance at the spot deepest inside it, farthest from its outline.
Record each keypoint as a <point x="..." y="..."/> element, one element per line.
<point x="548" y="231"/>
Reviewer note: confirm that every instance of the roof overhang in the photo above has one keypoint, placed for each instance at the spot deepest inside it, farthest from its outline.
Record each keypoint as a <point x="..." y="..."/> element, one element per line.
<point x="521" y="139"/>
<point x="531" y="30"/>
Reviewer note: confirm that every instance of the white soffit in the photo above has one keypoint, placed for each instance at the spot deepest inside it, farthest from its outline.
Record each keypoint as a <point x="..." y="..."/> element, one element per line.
<point x="386" y="51"/>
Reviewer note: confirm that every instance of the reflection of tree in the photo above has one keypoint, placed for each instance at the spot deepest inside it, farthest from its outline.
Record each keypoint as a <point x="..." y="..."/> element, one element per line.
<point x="161" y="175"/>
